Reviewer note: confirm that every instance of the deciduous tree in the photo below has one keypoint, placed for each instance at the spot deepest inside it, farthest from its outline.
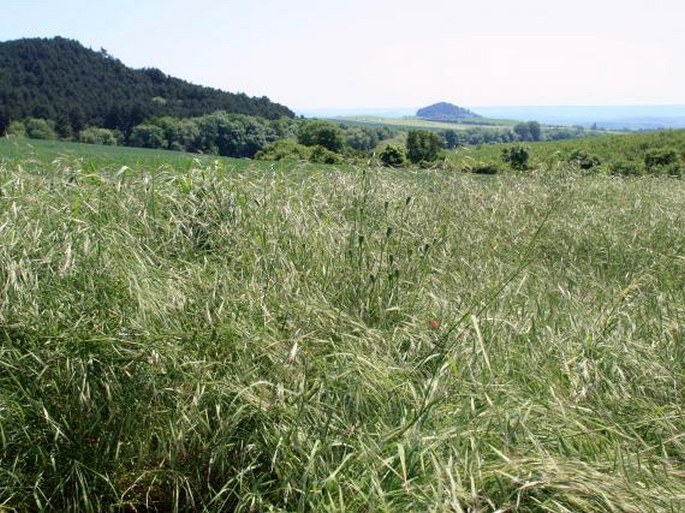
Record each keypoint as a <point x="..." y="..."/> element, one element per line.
<point x="321" y="133"/>
<point x="423" y="146"/>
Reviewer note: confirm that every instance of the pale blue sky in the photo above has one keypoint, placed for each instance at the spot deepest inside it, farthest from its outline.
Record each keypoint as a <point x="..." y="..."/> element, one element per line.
<point x="312" y="54"/>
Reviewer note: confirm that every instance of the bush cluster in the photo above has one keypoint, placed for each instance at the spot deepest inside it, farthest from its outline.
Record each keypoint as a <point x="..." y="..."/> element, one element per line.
<point x="517" y="156"/>
<point x="33" y="128"/>
<point x="423" y="147"/>
<point x="583" y="159"/>
<point x="665" y="161"/>
<point x="393" y="156"/>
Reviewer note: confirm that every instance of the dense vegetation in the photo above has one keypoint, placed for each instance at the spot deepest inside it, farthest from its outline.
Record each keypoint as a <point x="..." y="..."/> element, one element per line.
<point x="219" y="335"/>
<point x="228" y="135"/>
<point x="655" y="153"/>
<point x="62" y="81"/>
<point x="483" y="132"/>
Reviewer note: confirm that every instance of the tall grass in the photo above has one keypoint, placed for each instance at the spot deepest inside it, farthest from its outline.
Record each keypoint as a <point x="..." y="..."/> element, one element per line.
<point x="256" y="339"/>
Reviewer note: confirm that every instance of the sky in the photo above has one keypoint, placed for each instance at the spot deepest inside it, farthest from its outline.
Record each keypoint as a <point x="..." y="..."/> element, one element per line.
<point x="348" y="54"/>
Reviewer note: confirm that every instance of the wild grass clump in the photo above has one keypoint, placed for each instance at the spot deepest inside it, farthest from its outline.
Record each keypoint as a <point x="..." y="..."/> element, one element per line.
<point x="268" y="339"/>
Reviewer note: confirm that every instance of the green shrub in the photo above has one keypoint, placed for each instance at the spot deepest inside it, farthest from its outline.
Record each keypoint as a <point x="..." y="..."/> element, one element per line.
<point x="37" y="128"/>
<point x="675" y="169"/>
<point x="517" y="156"/>
<point x="663" y="161"/>
<point x="94" y="135"/>
<point x="361" y="139"/>
<point x="625" y="168"/>
<point x="660" y="157"/>
<point x="321" y="133"/>
<point x="393" y="156"/>
<point x="16" y="129"/>
<point x="147" y="136"/>
<point x="285" y="149"/>
<point x="322" y="155"/>
<point x="423" y="146"/>
<point x="485" y="169"/>
<point x="583" y="159"/>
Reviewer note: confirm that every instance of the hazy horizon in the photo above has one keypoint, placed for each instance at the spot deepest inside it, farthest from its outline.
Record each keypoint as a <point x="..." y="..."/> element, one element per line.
<point x="414" y="108"/>
<point x="632" y="117"/>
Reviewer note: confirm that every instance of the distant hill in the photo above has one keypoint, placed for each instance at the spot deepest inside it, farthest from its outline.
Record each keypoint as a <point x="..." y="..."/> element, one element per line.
<point x="61" y="80"/>
<point x="444" y="111"/>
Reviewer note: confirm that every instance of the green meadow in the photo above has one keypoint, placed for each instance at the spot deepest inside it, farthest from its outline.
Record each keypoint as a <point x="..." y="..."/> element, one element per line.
<point x="607" y="148"/>
<point x="418" y="123"/>
<point x="184" y="333"/>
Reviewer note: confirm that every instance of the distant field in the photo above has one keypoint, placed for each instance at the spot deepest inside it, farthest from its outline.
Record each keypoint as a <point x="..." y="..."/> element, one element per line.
<point x="411" y="122"/>
<point x="203" y="334"/>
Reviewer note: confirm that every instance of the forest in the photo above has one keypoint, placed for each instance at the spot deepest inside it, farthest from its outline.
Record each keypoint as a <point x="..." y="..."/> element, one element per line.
<point x="75" y="87"/>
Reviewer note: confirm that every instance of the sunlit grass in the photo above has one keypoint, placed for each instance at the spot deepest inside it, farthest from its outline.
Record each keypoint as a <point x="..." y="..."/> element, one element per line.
<point x="607" y="148"/>
<point x="237" y="337"/>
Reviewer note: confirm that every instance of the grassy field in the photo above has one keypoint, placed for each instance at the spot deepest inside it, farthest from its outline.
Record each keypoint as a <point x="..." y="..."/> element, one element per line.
<point x="33" y="154"/>
<point x="411" y="122"/>
<point x="181" y="334"/>
<point x="609" y="149"/>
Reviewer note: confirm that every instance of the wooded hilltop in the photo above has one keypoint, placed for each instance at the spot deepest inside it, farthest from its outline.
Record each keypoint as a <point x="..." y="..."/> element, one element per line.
<point x="61" y="80"/>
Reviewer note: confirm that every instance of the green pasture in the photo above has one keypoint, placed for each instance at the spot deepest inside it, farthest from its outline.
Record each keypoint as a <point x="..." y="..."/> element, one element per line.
<point x="36" y="153"/>
<point x="609" y="148"/>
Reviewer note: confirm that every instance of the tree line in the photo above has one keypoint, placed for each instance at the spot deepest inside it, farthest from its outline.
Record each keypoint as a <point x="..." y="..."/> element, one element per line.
<point x="528" y="131"/>
<point x="226" y="134"/>
<point x="242" y="136"/>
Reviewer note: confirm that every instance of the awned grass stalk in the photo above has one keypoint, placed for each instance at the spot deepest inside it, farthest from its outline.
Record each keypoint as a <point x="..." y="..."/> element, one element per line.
<point x="254" y="338"/>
